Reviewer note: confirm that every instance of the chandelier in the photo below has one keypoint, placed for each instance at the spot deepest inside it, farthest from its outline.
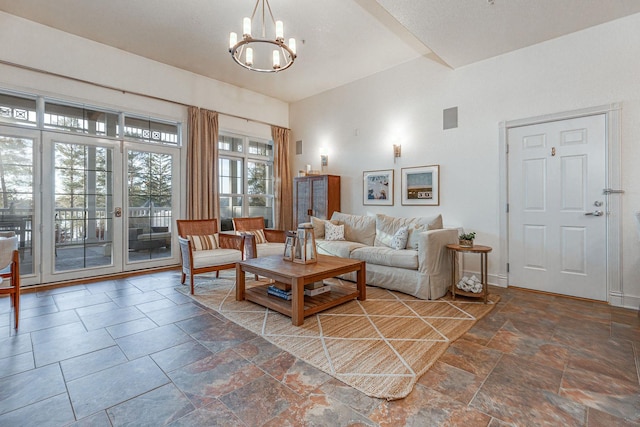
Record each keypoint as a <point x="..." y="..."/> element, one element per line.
<point x="253" y="53"/>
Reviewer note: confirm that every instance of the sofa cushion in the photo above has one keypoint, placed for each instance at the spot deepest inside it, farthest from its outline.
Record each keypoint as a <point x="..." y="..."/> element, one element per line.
<point x="318" y="226"/>
<point x="203" y="242"/>
<point x="339" y="248"/>
<point x="333" y="232"/>
<point x="357" y="228"/>
<point x="404" y="258"/>
<point x="387" y="226"/>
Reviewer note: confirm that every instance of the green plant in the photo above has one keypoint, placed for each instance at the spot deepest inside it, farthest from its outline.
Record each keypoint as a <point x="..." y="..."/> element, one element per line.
<point x="468" y="236"/>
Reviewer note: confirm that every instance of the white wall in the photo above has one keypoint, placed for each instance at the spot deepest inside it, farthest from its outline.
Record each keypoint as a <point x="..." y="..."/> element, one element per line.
<point x="359" y="122"/>
<point x="44" y="48"/>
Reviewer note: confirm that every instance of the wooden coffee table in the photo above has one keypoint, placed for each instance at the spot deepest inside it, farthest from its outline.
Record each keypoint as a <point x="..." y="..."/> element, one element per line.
<point x="298" y="275"/>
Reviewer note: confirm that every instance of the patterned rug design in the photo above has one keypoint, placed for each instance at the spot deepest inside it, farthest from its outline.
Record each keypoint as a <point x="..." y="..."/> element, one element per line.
<point x="380" y="346"/>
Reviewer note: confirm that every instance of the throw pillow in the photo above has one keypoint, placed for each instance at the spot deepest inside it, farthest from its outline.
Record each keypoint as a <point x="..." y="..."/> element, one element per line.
<point x="414" y="237"/>
<point x="399" y="240"/>
<point x="333" y="232"/>
<point x="318" y="226"/>
<point x="259" y="236"/>
<point x="204" y="242"/>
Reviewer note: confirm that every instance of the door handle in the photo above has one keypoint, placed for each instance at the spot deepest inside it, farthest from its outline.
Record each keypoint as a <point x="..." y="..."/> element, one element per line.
<point x="595" y="213"/>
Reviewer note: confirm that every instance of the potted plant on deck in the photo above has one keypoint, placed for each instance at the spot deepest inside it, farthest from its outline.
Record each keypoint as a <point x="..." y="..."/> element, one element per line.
<point x="466" y="239"/>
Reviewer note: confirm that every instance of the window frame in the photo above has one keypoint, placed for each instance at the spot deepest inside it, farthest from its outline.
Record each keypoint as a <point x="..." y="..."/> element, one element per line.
<point x="245" y="157"/>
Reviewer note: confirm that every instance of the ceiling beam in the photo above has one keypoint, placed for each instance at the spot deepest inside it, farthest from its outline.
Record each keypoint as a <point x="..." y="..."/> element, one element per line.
<point x="383" y="16"/>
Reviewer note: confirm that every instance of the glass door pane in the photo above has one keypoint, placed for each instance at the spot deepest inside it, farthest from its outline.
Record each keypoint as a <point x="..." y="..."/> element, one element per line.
<point x="83" y="205"/>
<point x="150" y="205"/>
<point x="16" y="193"/>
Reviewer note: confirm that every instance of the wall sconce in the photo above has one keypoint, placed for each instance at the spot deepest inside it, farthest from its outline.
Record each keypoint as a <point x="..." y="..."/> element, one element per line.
<point x="324" y="158"/>
<point x="397" y="151"/>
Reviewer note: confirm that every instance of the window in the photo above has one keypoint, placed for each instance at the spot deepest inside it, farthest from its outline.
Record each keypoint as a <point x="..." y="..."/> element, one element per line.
<point x="80" y="119"/>
<point x="19" y="110"/>
<point x="245" y="171"/>
<point x="146" y="130"/>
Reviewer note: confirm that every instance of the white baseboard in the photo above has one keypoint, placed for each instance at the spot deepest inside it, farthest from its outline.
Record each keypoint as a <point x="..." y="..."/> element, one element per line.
<point x="618" y="299"/>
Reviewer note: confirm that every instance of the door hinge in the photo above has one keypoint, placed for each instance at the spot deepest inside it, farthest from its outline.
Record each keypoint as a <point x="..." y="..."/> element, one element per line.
<point x="507" y="207"/>
<point x="506" y="148"/>
<point x="507" y="267"/>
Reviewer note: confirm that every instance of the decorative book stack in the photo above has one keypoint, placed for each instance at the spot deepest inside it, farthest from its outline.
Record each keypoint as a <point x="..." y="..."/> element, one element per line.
<point x="283" y="290"/>
<point x="280" y="290"/>
<point x="316" y="288"/>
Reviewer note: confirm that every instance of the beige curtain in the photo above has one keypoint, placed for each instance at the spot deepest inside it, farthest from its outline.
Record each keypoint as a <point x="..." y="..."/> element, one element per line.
<point x="202" y="165"/>
<point x="283" y="191"/>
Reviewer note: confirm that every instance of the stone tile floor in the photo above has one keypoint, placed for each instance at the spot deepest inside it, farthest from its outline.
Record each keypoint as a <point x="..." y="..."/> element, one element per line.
<point x="137" y="352"/>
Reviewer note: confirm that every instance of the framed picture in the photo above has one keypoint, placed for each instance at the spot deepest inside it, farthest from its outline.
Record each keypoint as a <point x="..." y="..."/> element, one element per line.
<point x="378" y="187"/>
<point x="421" y="185"/>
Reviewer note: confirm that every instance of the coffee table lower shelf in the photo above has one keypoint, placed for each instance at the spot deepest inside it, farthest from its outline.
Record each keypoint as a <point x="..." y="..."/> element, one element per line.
<point x="312" y="305"/>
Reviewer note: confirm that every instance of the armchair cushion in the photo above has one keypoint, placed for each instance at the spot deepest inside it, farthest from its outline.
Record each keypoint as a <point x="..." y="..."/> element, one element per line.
<point x="204" y="242"/>
<point x="259" y="235"/>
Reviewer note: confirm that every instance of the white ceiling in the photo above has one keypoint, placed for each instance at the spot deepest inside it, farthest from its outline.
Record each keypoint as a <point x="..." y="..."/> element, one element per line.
<point x="339" y="41"/>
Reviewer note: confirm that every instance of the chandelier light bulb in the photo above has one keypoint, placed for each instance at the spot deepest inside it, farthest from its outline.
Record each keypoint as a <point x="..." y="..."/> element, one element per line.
<point x="246" y="27"/>
<point x="242" y="48"/>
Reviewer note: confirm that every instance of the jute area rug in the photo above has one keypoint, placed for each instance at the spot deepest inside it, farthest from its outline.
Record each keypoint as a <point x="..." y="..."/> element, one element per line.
<point x="380" y="346"/>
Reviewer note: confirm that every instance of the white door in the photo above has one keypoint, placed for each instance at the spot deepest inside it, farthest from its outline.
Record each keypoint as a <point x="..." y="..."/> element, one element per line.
<point x="557" y="211"/>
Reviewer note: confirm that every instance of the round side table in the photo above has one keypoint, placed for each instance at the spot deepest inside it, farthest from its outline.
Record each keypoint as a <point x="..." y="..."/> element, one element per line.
<point x="475" y="249"/>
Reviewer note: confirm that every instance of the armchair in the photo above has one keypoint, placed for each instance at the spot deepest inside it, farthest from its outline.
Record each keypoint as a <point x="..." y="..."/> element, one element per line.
<point x="259" y="241"/>
<point x="10" y="269"/>
<point x="204" y="250"/>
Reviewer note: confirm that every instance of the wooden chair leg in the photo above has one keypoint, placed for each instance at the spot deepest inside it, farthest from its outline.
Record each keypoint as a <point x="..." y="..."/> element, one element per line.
<point x="183" y="278"/>
<point x="16" y="305"/>
<point x="217" y="274"/>
<point x="191" y="278"/>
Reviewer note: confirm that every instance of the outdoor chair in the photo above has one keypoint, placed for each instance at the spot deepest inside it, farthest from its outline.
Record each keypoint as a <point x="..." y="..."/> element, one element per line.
<point x="204" y="249"/>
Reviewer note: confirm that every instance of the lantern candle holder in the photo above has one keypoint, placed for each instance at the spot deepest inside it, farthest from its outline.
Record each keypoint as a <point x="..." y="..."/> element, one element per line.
<point x="289" y="246"/>
<point x="305" y="245"/>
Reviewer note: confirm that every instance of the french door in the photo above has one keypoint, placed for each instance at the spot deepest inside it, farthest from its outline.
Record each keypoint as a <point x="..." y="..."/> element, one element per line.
<point x="81" y="233"/>
<point x="87" y="206"/>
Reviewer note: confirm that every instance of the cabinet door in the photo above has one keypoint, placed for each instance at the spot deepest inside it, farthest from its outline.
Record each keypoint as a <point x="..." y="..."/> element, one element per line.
<point x="302" y="201"/>
<point x="319" y="197"/>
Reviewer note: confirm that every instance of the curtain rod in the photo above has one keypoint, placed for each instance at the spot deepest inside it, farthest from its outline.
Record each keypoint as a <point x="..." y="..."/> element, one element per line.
<point x="157" y="98"/>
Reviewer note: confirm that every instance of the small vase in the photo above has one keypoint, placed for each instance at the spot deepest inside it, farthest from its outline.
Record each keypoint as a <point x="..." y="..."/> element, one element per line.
<point x="466" y="243"/>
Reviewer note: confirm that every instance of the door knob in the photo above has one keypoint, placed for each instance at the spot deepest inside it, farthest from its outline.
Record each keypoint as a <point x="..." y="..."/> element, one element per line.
<point x="595" y="213"/>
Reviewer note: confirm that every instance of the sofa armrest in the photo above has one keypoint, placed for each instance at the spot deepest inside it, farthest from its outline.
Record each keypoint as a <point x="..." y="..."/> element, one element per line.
<point x="433" y="255"/>
<point x="275" y="236"/>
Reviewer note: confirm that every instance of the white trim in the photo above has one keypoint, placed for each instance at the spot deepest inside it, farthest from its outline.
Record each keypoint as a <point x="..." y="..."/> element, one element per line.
<point x="615" y="291"/>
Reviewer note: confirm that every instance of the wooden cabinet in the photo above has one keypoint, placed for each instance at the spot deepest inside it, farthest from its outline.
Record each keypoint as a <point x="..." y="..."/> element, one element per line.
<point x="315" y="195"/>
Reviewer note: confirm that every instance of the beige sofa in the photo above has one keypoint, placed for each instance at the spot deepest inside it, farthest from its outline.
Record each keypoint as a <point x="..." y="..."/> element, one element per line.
<point x="421" y="268"/>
